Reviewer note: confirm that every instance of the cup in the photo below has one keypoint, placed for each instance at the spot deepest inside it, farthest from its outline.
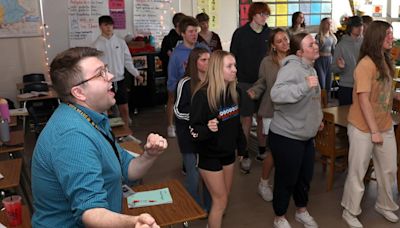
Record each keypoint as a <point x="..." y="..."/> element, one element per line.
<point x="13" y="208"/>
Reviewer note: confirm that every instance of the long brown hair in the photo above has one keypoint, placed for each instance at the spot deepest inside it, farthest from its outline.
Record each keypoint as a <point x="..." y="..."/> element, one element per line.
<point x="191" y="68"/>
<point x="217" y="92"/>
<point x="273" y="53"/>
<point x="372" y="47"/>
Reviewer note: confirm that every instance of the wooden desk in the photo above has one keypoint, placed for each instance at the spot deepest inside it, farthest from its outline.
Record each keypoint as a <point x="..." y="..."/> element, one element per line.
<point x="15" y="144"/>
<point x="183" y="208"/>
<point x="51" y="95"/>
<point x="26" y="218"/>
<point x="11" y="170"/>
<point x="340" y="113"/>
<point x="121" y="131"/>
<point x="132" y="146"/>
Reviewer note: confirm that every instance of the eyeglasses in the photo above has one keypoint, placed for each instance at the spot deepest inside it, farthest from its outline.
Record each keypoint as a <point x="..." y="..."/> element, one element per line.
<point x="102" y="73"/>
<point x="264" y="15"/>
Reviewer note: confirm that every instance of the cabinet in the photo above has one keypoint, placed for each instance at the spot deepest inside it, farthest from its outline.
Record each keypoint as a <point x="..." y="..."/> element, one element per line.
<point x="153" y="91"/>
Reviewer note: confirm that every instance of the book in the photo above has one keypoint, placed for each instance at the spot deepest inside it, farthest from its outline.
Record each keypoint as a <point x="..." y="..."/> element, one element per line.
<point x="149" y="198"/>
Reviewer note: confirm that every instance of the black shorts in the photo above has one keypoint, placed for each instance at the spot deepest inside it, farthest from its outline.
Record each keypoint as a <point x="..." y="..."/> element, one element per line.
<point x="215" y="164"/>
<point x="121" y="96"/>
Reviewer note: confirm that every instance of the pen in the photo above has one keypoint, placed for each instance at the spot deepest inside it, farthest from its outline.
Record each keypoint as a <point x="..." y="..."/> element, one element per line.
<point x="149" y="201"/>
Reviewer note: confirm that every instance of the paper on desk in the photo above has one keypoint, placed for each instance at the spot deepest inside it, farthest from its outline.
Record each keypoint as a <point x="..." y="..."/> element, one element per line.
<point x="2" y="226"/>
<point x="18" y="112"/>
<point x="32" y="94"/>
<point x="132" y="153"/>
<point x="149" y="198"/>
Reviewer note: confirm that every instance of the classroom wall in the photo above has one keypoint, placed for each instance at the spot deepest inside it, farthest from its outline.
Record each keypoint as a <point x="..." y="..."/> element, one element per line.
<point x="21" y="56"/>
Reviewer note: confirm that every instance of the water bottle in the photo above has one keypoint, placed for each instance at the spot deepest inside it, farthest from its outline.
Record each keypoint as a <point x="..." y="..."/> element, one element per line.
<point x="152" y="40"/>
<point x="4" y="131"/>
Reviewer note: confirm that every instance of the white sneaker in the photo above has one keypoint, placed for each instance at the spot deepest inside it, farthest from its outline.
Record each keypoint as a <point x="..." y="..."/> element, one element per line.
<point x="281" y="223"/>
<point x="261" y="157"/>
<point x="306" y="219"/>
<point x="265" y="191"/>
<point x="351" y="220"/>
<point x="389" y="215"/>
<point x="245" y="165"/>
<point x="171" y="131"/>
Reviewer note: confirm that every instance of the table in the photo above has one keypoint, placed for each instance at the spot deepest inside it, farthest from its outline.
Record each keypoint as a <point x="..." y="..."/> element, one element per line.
<point x="15" y="144"/>
<point x="51" y="94"/>
<point x="11" y="170"/>
<point x="26" y="218"/>
<point x="183" y="209"/>
<point x="121" y="131"/>
<point x="132" y="146"/>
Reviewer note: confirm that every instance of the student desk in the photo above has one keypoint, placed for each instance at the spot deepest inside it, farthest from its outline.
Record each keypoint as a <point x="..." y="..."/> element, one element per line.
<point x="132" y="146"/>
<point x="182" y="210"/>
<point x="121" y="131"/>
<point x="15" y="144"/>
<point x="26" y="218"/>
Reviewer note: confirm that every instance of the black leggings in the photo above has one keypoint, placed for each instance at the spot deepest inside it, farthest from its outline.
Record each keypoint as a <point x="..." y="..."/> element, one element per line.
<point x="294" y="167"/>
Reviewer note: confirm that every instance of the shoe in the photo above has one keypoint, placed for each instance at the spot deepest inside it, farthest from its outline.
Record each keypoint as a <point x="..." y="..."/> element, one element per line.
<point x="351" y="220"/>
<point x="171" y="131"/>
<point x="389" y="215"/>
<point x="306" y="219"/>
<point x="135" y="111"/>
<point x="281" y="223"/>
<point x="245" y="165"/>
<point x="131" y="138"/>
<point x="265" y="191"/>
<point x="261" y="157"/>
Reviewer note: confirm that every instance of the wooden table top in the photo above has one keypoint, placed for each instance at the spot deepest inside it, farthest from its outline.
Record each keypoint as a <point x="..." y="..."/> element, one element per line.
<point x="15" y="144"/>
<point x="51" y="95"/>
<point x="132" y="146"/>
<point x="340" y="113"/>
<point x="26" y="218"/>
<point x="11" y="170"/>
<point x="121" y="131"/>
<point x="183" y="208"/>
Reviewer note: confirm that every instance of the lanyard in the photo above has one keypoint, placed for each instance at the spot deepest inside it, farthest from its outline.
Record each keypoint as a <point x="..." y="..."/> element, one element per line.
<point x="109" y="140"/>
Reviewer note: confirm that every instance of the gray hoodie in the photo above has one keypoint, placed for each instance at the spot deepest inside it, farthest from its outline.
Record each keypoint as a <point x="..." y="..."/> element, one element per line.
<point x="297" y="108"/>
<point x="349" y="49"/>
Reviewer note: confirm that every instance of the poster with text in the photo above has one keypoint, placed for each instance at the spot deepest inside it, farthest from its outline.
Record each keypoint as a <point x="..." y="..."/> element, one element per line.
<point x="152" y="17"/>
<point x="83" y="20"/>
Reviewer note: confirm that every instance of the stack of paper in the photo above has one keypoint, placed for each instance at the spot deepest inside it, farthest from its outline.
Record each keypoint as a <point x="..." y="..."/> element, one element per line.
<point x="149" y="198"/>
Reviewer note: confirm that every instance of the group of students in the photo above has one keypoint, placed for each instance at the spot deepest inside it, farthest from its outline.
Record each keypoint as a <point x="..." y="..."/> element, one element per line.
<point x="215" y="101"/>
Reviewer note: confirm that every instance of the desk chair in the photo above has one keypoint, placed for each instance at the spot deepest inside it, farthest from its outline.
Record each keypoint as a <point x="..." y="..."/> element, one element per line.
<point x="330" y="147"/>
<point x="39" y="110"/>
<point x="35" y="77"/>
<point x="324" y="98"/>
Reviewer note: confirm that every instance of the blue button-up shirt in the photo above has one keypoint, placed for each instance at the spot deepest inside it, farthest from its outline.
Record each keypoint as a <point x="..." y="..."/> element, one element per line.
<point x="74" y="168"/>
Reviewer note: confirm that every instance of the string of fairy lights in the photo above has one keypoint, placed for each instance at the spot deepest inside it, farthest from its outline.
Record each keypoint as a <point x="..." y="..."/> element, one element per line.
<point x="45" y="33"/>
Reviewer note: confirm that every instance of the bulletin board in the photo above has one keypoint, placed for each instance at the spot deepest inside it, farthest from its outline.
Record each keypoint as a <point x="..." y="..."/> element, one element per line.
<point x="282" y="10"/>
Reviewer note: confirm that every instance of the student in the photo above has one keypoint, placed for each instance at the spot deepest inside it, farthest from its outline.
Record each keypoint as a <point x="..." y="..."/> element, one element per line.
<point x="117" y="57"/>
<point x="298" y="24"/>
<point x="296" y="120"/>
<point x="168" y="45"/>
<point x="215" y="127"/>
<point x="177" y="63"/>
<point x="370" y="127"/>
<point x="366" y="21"/>
<point x="345" y="59"/>
<point x="326" y="42"/>
<point x="209" y="38"/>
<point x="194" y="75"/>
<point x="270" y="65"/>
<point x="77" y="167"/>
<point x="249" y="46"/>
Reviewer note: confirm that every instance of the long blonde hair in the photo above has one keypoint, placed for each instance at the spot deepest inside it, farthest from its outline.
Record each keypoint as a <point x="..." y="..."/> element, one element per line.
<point x="321" y="34"/>
<point x="217" y="92"/>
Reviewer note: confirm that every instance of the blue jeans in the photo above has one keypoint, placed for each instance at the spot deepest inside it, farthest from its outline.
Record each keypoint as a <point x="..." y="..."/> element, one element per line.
<point x="192" y="181"/>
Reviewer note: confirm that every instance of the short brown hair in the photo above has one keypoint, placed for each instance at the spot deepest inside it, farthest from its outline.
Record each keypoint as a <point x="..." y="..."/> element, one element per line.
<point x="186" y="22"/>
<point x="65" y="71"/>
<point x="295" y="42"/>
<point x="202" y="17"/>
<point x="176" y="18"/>
<point x="256" y="8"/>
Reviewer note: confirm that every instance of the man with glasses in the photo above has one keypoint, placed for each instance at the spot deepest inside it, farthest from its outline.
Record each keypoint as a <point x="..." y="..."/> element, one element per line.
<point x="77" y="167"/>
<point x="118" y="57"/>
<point x="249" y="45"/>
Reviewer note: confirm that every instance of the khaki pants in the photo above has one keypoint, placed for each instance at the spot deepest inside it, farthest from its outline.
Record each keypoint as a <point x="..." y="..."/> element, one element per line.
<point x="385" y="164"/>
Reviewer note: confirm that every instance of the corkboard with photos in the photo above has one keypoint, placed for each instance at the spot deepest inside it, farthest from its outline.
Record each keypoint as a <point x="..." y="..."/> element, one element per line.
<point x="282" y="10"/>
